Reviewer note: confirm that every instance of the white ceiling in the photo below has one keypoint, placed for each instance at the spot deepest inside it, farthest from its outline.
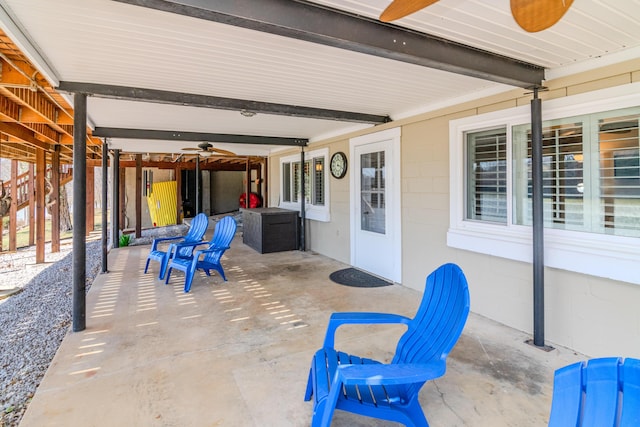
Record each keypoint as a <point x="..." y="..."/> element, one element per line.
<point x="107" y="42"/>
<point x="591" y="28"/>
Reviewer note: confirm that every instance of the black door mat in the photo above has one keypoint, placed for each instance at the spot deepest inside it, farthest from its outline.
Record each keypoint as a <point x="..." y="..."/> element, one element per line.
<point x="357" y="278"/>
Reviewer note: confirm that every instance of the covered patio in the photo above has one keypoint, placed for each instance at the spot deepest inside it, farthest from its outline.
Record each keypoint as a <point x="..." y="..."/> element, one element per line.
<point x="237" y="353"/>
<point x="164" y="80"/>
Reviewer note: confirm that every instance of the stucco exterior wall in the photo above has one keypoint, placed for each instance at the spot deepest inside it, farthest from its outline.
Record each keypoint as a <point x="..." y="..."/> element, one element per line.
<point x="592" y="315"/>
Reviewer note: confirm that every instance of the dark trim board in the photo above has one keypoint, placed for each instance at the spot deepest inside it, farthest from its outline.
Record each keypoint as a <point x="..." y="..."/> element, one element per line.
<point x="216" y="102"/>
<point x="166" y="135"/>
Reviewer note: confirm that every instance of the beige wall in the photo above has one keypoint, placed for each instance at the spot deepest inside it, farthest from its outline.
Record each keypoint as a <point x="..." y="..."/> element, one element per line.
<point x="592" y="315"/>
<point x="329" y="238"/>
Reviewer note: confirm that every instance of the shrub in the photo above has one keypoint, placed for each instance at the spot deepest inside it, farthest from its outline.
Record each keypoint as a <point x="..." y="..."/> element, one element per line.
<point x="125" y="239"/>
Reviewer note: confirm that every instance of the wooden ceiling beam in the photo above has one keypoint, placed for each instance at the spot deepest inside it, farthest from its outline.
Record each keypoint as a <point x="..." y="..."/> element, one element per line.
<point x="44" y="131"/>
<point x="31" y="116"/>
<point x="92" y="141"/>
<point x="15" y="148"/>
<point x="30" y="102"/>
<point x="34" y="100"/>
<point x="66" y="140"/>
<point x="10" y="76"/>
<point x="37" y="108"/>
<point x="62" y="119"/>
<point x="65" y="137"/>
<point x="68" y="128"/>
<point x="22" y="133"/>
<point x="18" y="150"/>
<point x="9" y="110"/>
<point x="65" y="118"/>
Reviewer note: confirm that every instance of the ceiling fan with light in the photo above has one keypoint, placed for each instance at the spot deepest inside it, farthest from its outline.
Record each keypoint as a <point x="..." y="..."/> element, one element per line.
<point x="206" y="149"/>
<point x="531" y="15"/>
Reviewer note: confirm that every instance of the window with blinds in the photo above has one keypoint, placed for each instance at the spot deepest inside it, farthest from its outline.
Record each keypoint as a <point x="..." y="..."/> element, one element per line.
<point x="619" y="170"/>
<point x="562" y="172"/>
<point x="297" y="182"/>
<point x="591" y="183"/>
<point x="314" y="181"/>
<point x="487" y="175"/>
<point x="591" y="174"/>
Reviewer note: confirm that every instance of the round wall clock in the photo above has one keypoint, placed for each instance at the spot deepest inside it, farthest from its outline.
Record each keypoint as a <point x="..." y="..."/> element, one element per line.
<point x="338" y="165"/>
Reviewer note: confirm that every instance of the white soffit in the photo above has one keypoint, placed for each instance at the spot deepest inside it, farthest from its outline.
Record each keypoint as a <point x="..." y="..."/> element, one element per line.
<point x="142" y="115"/>
<point x="108" y="42"/>
<point x="589" y="29"/>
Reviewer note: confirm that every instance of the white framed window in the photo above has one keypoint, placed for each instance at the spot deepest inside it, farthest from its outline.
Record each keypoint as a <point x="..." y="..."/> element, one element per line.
<point x="486" y="175"/>
<point x="316" y="194"/>
<point x="591" y="183"/>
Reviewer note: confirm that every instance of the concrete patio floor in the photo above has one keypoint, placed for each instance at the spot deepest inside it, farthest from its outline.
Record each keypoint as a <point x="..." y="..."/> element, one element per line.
<point x="238" y="353"/>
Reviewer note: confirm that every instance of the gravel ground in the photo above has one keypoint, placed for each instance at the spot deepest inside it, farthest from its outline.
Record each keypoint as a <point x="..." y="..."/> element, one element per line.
<point x="34" y="321"/>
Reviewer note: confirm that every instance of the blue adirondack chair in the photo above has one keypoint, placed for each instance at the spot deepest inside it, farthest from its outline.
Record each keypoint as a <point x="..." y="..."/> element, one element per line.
<point x="390" y="391"/>
<point x="196" y="232"/>
<point x="205" y="259"/>
<point x="595" y="393"/>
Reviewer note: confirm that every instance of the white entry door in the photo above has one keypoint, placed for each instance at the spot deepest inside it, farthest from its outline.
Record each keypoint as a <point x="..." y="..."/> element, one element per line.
<point x="375" y="204"/>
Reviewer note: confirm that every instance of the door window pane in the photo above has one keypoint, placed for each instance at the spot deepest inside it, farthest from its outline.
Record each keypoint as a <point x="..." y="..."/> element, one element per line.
<point x="372" y="192"/>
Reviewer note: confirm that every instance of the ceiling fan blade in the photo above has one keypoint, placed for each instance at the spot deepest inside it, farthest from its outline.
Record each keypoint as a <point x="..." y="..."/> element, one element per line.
<point x="401" y="8"/>
<point x="190" y="149"/>
<point x="538" y="15"/>
<point x="221" y="151"/>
